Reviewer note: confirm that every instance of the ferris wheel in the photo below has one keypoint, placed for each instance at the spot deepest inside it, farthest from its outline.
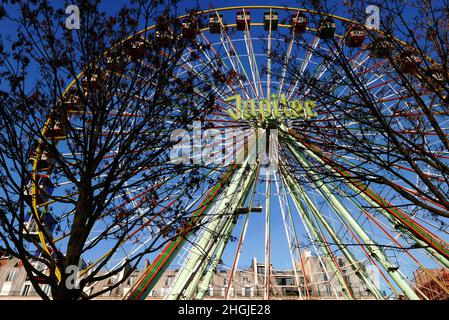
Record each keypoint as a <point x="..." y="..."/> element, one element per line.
<point x="261" y="117"/>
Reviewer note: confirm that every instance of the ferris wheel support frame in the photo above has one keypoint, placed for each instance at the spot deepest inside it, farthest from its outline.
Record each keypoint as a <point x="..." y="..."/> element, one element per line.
<point x="372" y="246"/>
<point x="298" y="192"/>
<point x="395" y="215"/>
<point x="205" y="281"/>
<point x="438" y="250"/>
<point x="322" y="243"/>
<point x="190" y="274"/>
<point x="152" y="274"/>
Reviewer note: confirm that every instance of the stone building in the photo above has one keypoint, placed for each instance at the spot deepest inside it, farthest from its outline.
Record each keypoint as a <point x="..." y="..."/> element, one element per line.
<point x="429" y="287"/>
<point x="248" y="283"/>
<point x="323" y="282"/>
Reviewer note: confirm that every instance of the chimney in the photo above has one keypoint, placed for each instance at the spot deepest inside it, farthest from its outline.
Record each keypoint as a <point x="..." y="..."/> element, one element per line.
<point x="256" y="278"/>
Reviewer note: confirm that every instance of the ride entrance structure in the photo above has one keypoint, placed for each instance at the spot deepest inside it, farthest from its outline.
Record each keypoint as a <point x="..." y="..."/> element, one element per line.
<point x="308" y="201"/>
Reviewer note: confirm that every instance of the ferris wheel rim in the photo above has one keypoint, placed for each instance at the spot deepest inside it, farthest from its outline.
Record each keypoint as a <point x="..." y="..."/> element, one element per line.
<point x="202" y="30"/>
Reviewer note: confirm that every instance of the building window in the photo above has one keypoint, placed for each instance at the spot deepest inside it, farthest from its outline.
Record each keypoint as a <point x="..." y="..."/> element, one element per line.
<point x="169" y="280"/>
<point x="12" y="275"/>
<point x="247" y="291"/>
<point x="284" y="281"/>
<point x="225" y="282"/>
<point x="132" y="280"/>
<point x="107" y="293"/>
<point x="26" y="290"/>
<point x="210" y="291"/>
<point x="346" y="277"/>
<point x="245" y="281"/>
<point x="46" y="289"/>
<point x="341" y="262"/>
<point x="6" y="288"/>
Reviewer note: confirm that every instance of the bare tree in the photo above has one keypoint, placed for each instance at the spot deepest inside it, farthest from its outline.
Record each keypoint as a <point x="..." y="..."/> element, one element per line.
<point x="382" y="100"/>
<point x="86" y="169"/>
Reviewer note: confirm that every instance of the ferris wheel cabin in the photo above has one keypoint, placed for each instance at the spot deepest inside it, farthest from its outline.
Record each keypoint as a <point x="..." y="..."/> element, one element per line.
<point x="92" y="83"/>
<point x="190" y="28"/>
<point x="72" y="101"/>
<point x="30" y="226"/>
<point x="326" y="29"/>
<point x="44" y="186"/>
<point x="136" y="48"/>
<point x="243" y="19"/>
<point x="215" y="21"/>
<point x="299" y="22"/>
<point x="408" y="61"/>
<point x="44" y="163"/>
<point x="271" y="20"/>
<point x="380" y="48"/>
<point x="355" y="36"/>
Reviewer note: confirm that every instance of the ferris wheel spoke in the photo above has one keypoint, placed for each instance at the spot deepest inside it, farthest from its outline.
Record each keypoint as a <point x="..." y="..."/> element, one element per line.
<point x="269" y="58"/>
<point x="252" y="59"/>
<point x="416" y="231"/>
<point x="295" y="236"/>
<point x="287" y="61"/>
<point x="352" y="261"/>
<point x="234" y="64"/>
<point x="372" y="246"/>
<point x="305" y="62"/>
<point x="318" y="237"/>
<point x="234" y="57"/>
<point x="289" y="229"/>
<point x="379" y="223"/>
<point x="242" y="235"/>
<point x="365" y="226"/>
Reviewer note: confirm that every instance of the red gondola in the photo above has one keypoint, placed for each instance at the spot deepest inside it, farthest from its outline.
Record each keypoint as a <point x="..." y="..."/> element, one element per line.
<point x="72" y="101"/>
<point x="380" y="48"/>
<point x="326" y="28"/>
<point x="190" y="28"/>
<point x="116" y="59"/>
<point x="408" y="61"/>
<point x="243" y="19"/>
<point x="355" y="36"/>
<point x="215" y="22"/>
<point x="299" y="23"/>
<point x="92" y="82"/>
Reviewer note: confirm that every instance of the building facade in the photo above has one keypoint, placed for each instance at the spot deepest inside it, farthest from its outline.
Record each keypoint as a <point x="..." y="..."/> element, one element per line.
<point x="247" y="283"/>
<point x="429" y="287"/>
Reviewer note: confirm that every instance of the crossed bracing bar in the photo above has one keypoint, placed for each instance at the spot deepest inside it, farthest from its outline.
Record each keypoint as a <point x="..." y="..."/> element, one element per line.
<point x="193" y="279"/>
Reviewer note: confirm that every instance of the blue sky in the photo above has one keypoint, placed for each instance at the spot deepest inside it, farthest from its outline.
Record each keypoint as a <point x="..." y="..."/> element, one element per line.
<point x="253" y="248"/>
